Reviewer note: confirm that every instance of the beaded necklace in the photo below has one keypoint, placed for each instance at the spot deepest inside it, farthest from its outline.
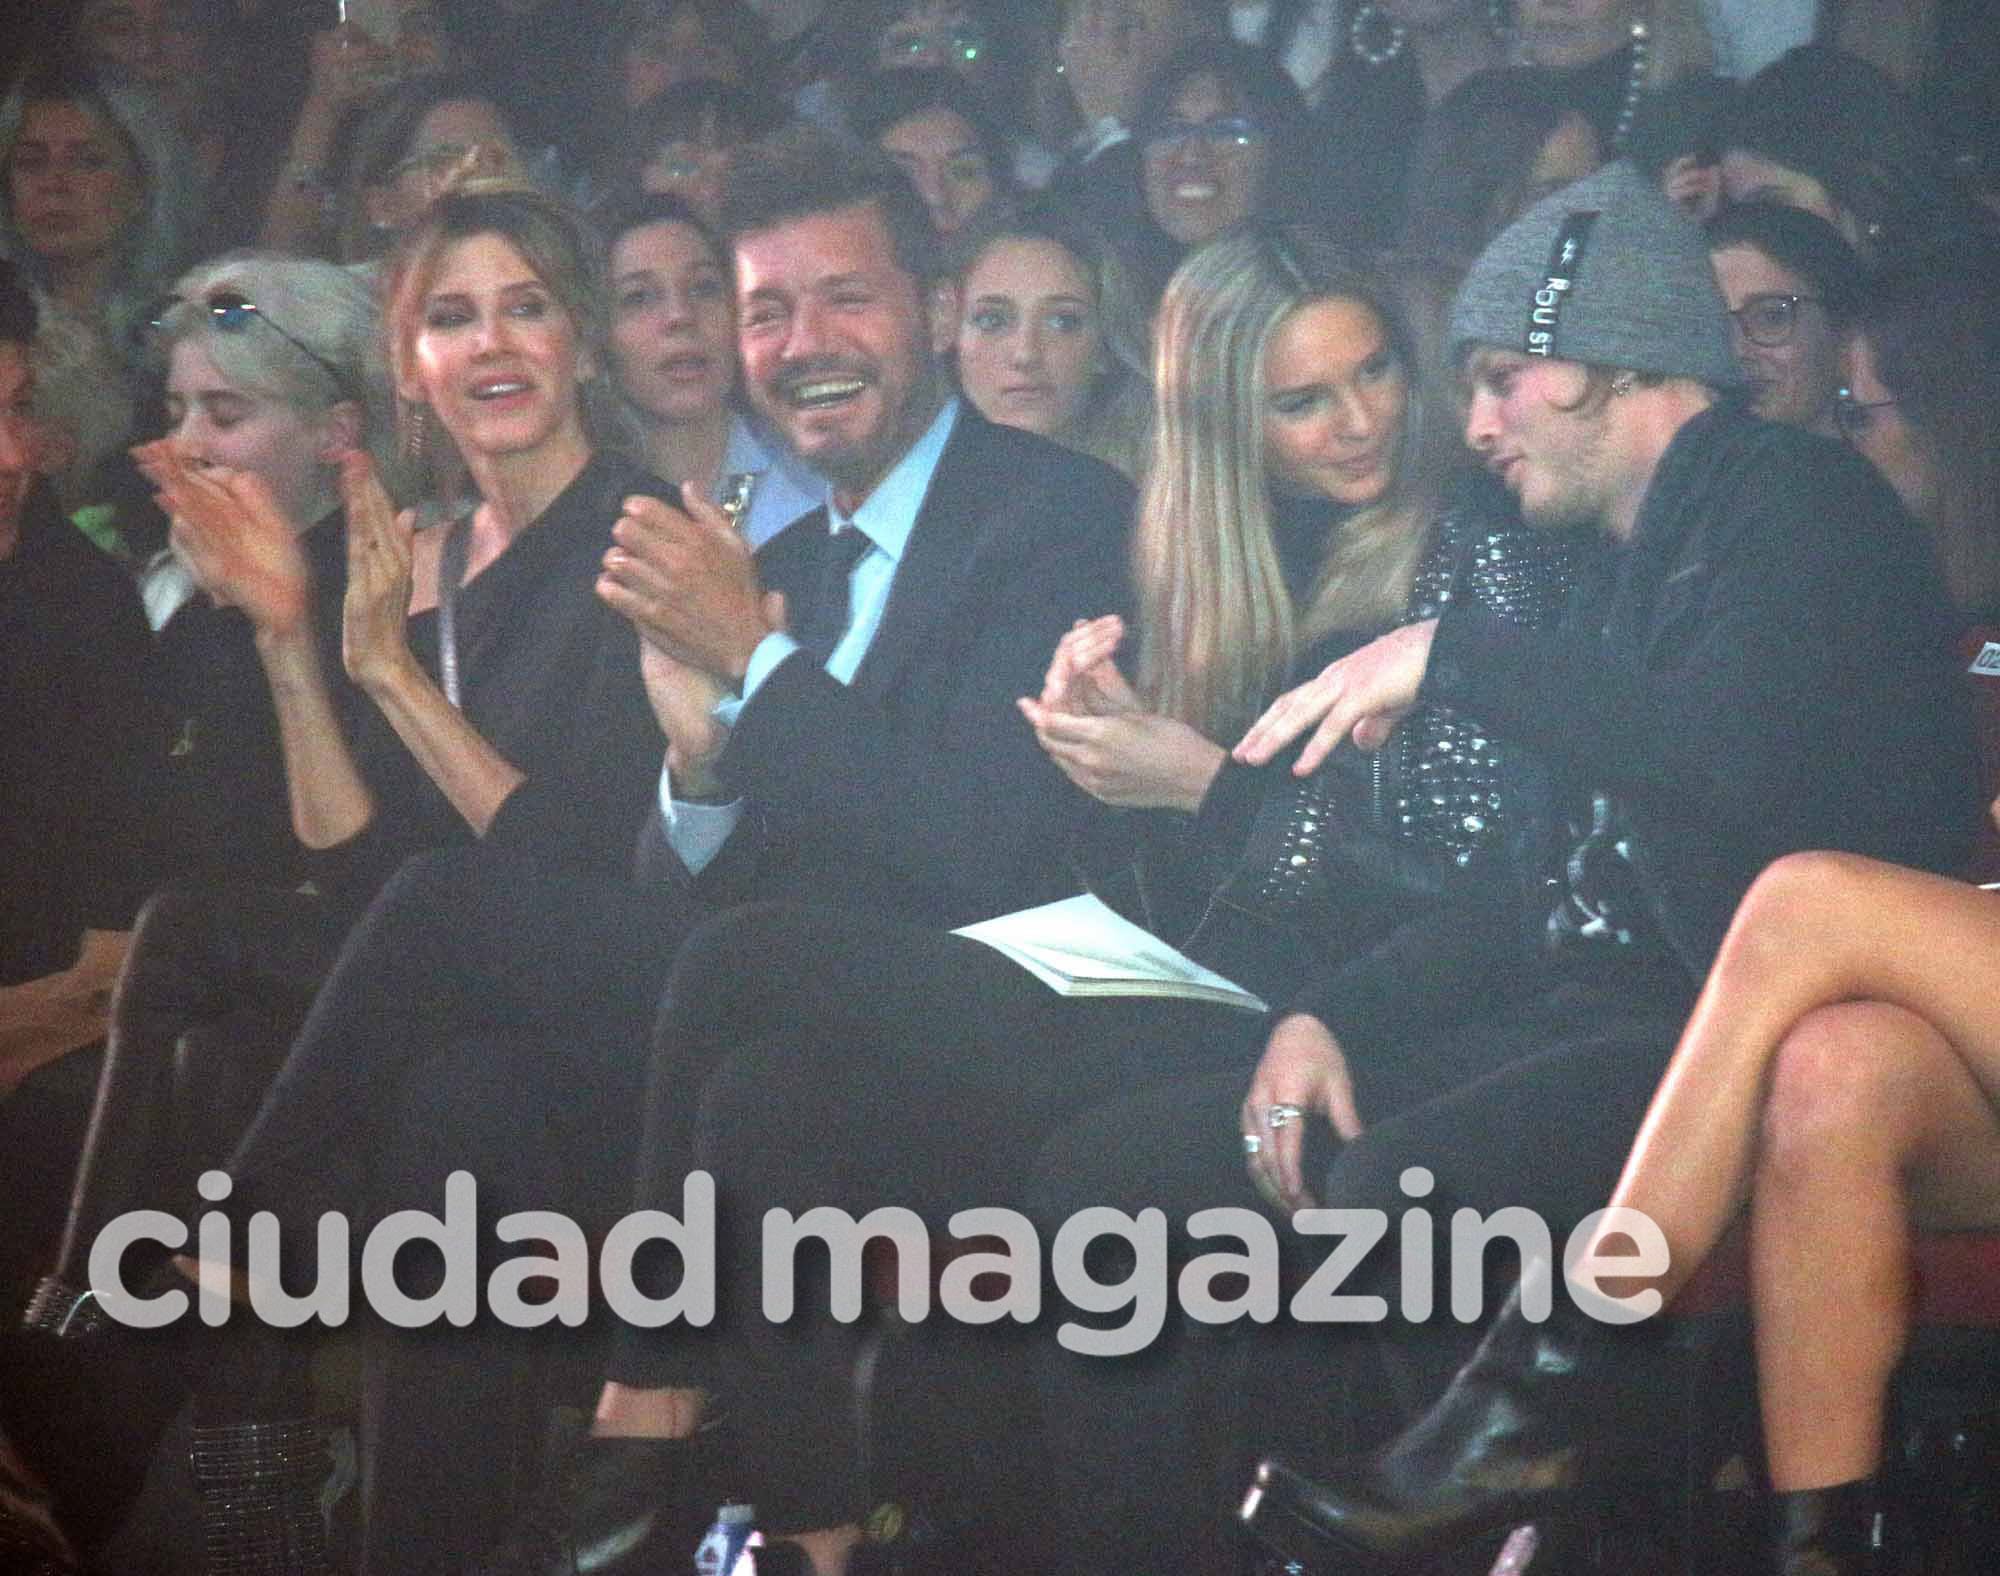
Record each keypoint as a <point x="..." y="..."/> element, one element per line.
<point x="1635" y="82"/>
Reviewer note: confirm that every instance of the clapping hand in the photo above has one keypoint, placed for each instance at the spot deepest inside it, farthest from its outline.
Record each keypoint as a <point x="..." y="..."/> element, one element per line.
<point x="1093" y="727"/>
<point x="229" y="530"/>
<point x="375" y="644"/>
<point x="686" y="580"/>
<point x="1082" y="676"/>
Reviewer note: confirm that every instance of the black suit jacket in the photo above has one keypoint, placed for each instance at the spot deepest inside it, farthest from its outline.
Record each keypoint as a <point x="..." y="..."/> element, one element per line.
<point x="919" y="789"/>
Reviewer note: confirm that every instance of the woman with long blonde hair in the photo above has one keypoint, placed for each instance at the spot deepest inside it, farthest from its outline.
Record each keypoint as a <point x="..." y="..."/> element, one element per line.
<point x="1292" y="508"/>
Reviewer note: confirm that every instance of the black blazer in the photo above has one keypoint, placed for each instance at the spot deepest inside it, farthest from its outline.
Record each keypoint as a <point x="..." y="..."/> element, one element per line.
<point x="919" y="789"/>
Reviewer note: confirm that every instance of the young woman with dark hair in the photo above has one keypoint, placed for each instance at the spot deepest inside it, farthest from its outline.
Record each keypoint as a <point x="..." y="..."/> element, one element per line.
<point x="937" y="128"/>
<point x="673" y="351"/>
<point x="1793" y="287"/>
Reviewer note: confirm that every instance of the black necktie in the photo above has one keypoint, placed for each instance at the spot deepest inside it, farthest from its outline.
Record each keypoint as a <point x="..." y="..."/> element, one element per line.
<point x="825" y="620"/>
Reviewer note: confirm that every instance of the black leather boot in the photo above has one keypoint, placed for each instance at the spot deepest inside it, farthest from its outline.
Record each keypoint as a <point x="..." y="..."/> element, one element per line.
<point x="1833" y="1531"/>
<point x="1510" y="1441"/>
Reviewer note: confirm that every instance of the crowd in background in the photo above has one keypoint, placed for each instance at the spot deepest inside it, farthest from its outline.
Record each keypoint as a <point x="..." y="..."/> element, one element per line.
<point x="231" y="670"/>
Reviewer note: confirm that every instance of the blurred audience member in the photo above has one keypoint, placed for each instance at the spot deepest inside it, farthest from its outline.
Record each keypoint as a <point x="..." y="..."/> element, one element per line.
<point x="1049" y="333"/>
<point x="673" y="345"/>
<point x="100" y="197"/>
<point x="682" y="145"/>
<point x="936" y="127"/>
<point x="1397" y="59"/>
<point x="1823" y="131"/>
<point x="1219" y="129"/>
<point x="1498" y="143"/>
<point x="658" y="45"/>
<point x="537" y="59"/>
<point x="178" y="49"/>
<point x="411" y="142"/>
<point x="1792" y="286"/>
<point x="656" y="49"/>
<point x="76" y="714"/>
<point x="1303" y="36"/>
<point x="978" y="40"/>
<point x="1623" y="63"/>
<point x="1106" y="52"/>
<point x="1922" y="402"/>
<point x="345" y="67"/>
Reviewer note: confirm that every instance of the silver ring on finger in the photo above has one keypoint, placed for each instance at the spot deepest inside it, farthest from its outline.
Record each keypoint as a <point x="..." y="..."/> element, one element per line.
<point x="1253" y="1145"/>
<point x="1282" y="1115"/>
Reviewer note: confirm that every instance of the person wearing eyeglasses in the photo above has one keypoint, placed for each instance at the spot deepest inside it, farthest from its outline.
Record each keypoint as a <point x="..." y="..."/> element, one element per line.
<point x="1920" y="399"/>
<point x="1792" y="285"/>
<point x="1213" y="127"/>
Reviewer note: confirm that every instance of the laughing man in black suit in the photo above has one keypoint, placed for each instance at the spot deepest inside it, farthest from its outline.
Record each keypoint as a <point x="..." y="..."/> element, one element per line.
<point x="841" y="729"/>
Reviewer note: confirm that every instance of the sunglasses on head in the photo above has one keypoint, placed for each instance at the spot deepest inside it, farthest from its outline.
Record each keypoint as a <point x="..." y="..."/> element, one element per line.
<point x="232" y="312"/>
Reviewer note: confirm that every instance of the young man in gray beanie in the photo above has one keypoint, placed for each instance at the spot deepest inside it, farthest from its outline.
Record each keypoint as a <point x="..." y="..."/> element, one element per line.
<point x="1762" y="667"/>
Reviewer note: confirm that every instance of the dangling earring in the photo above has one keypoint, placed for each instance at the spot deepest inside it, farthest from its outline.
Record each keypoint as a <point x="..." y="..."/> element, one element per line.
<point x="1373" y="38"/>
<point x="416" y="432"/>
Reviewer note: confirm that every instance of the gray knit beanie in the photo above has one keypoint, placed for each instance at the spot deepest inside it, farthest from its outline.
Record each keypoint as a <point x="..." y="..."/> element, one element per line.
<point x="1608" y="272"/>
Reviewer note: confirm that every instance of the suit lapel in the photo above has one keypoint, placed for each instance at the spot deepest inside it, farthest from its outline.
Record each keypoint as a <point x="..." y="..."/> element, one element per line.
<point x="937" y="566"/>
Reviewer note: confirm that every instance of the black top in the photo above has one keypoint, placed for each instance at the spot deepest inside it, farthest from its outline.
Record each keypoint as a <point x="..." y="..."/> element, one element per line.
<point x="550" y="679"/>
<point x="1273" y="878"/>
<point x="224" y="811"/>
<point x="78" y="725"/>
<point x="1764" y="668"/>
<point x="1364" y="135"/>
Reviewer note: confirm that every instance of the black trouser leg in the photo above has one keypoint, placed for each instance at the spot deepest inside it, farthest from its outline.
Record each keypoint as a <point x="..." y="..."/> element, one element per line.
<point x="460" y="943"/>
<point x="859" y="1064"/>
<point x="451" y="1417"/>
<point x="199" y="955"/>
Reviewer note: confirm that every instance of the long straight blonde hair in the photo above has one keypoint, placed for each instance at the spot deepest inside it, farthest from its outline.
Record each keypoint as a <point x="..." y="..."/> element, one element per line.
<point x="1218" y="629"/>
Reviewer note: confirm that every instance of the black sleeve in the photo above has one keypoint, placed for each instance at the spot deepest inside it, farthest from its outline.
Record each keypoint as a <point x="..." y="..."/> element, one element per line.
<point x="1769" y="658"/>
<point x="120" y="748"/>
<point x="956" y="800"/>
<point x="587" y="809"/>
<point x="1422" y="976"/>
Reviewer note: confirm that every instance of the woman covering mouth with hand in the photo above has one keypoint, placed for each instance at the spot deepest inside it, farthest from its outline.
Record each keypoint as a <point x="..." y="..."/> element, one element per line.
<point x="499" y="700"/>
